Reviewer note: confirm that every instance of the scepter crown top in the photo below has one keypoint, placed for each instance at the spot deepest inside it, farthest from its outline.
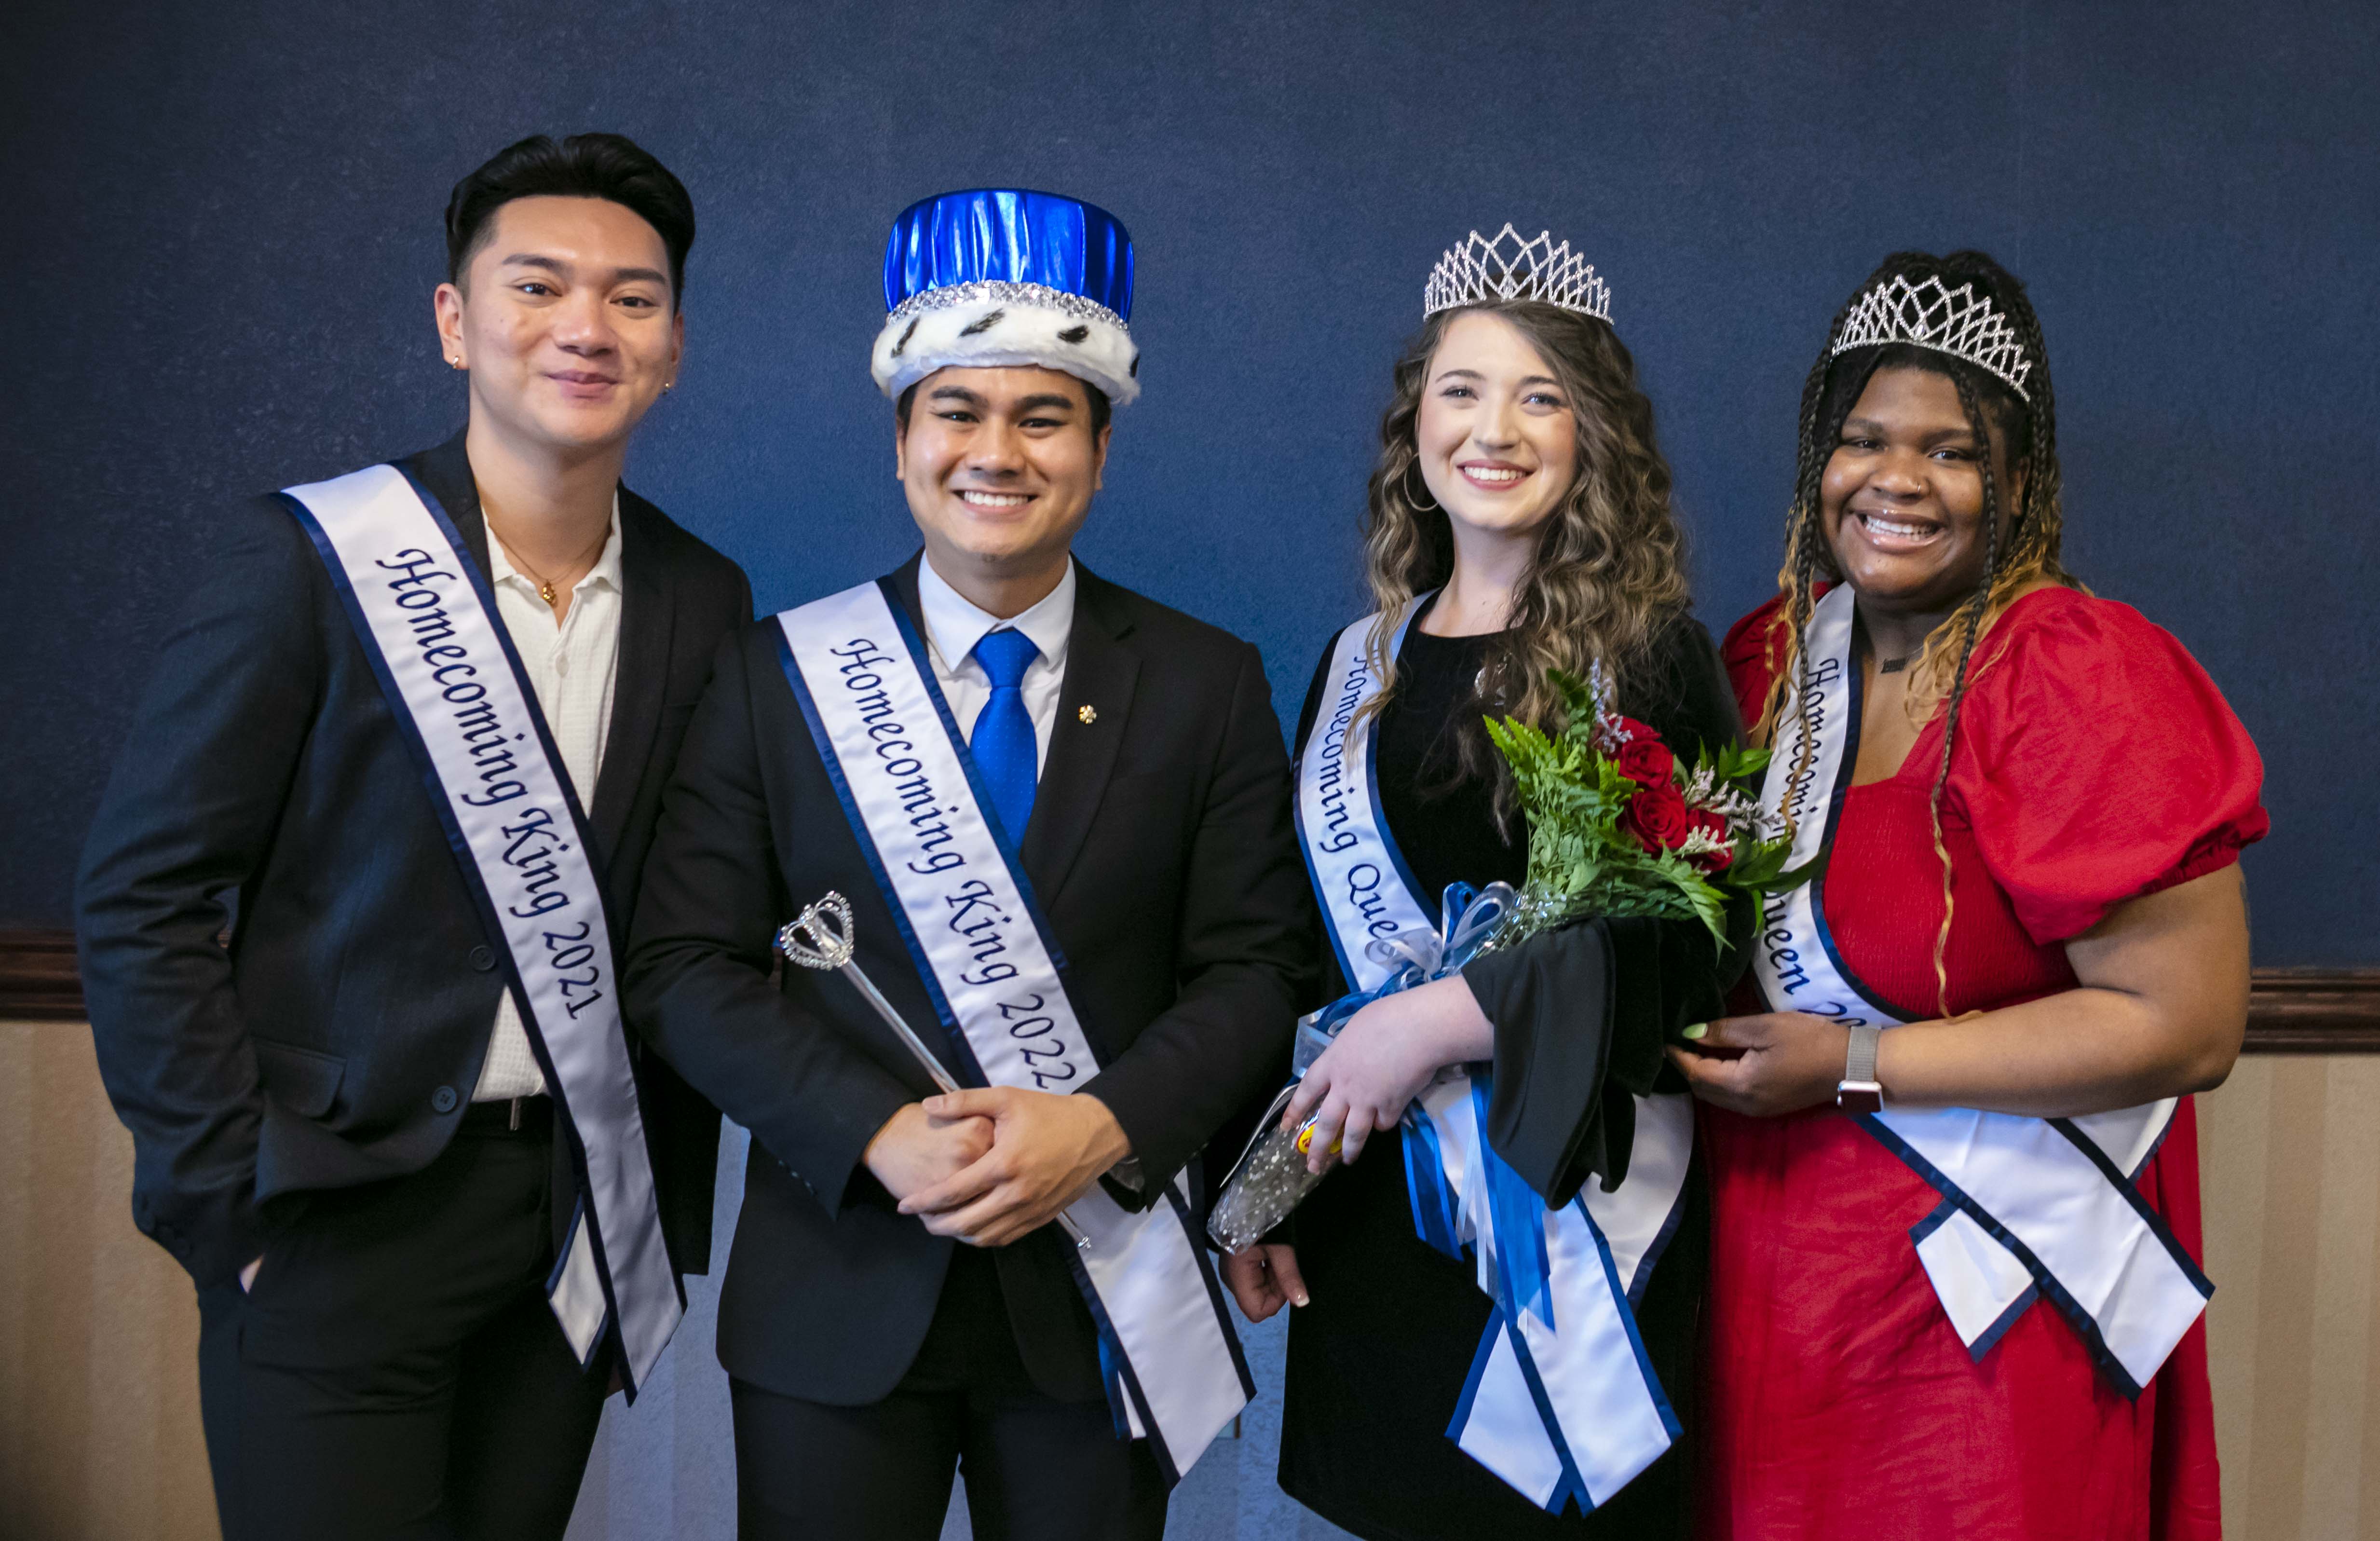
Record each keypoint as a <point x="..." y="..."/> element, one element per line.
<point x="820" y="936"/>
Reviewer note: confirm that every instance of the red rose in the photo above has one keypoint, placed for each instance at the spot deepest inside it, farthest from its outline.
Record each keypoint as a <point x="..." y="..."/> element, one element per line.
<point x="1704" y="821"/>
<point x="1644" y="759"/>
<point x="1657" y="816"/>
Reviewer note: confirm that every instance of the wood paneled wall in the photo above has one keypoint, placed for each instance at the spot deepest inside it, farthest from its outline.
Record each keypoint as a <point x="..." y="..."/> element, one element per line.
<point x="99" y="1328"/>
<point x="99" y="1422"/>
<point x="2290" y="1153"/>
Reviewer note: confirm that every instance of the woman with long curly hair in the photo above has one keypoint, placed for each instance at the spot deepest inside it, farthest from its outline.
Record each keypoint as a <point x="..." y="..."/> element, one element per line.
<point x="1519" y="521"/>
<point x="1954" y="1164"/>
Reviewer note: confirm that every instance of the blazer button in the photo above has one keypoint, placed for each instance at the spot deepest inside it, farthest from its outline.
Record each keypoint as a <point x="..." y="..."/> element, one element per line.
<point x="442" y="1101"/>
<point x="483" y="958"/>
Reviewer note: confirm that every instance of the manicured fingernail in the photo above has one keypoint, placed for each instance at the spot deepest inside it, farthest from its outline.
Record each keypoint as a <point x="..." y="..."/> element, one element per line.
<point x="1300" y="1299"/>
<point x="1697" y="1030"/>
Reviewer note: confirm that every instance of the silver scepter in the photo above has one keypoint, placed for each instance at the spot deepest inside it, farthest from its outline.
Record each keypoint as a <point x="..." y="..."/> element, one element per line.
<point x="820" y="938"/>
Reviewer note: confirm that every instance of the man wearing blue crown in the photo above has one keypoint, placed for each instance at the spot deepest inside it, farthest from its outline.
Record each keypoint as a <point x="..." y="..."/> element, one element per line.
<point x="1060" y="814"/>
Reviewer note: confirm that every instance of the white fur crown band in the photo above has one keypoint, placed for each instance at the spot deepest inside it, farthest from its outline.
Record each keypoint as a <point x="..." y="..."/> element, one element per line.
<point x="995" y="325"/>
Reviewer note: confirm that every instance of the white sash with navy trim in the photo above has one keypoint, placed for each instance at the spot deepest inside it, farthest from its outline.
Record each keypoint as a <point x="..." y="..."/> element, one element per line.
<point x="1175" y="1374"/>
<point x="2029" y="1206"/>
<point x="1356" y="867"/>
<point x="1561" y="1402"/>
<point x="427" y="621"/>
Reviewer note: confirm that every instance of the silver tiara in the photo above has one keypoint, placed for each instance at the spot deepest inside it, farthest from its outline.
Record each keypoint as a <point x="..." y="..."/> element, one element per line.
<point x="1480" y="271"/>
<point x="1956" y="321"/>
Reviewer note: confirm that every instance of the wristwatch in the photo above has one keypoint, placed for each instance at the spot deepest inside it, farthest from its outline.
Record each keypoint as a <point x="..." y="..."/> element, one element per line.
<point x="1859" y="1091"/>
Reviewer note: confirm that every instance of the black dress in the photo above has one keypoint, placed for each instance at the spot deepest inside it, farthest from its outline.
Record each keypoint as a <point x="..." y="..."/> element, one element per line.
<point x="1377" y="1362"/>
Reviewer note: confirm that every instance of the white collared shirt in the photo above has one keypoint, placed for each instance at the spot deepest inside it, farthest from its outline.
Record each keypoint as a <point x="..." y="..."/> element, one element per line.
<point x="954" y="625"/>
<point x="573" y="668"/>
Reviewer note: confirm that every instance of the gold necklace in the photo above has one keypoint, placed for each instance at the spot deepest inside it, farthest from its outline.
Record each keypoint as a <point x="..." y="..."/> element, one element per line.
<point x="545" y="589"/>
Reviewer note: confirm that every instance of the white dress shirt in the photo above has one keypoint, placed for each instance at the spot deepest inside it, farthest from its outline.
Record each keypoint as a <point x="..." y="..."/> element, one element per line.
<point x="573" y="668"/>
<point x="953" y="626"/>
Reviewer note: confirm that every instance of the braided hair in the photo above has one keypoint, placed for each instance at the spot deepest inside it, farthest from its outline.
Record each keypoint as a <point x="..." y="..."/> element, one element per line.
<point x="2024" y="553"/>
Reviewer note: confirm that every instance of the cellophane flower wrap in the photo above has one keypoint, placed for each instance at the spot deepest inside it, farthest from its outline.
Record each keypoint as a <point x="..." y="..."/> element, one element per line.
<point x="1618" y="826"/>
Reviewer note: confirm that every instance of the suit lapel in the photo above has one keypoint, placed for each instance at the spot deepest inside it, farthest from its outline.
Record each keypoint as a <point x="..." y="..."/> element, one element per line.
<point x="648" y="621"/>
<point x="904" y="580"/>
<point x="446" y="472"/>
<point x="1100" y="675"/>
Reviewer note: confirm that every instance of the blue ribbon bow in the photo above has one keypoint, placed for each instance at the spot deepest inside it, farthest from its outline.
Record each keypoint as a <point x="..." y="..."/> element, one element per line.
<point x="1469" y="918"/>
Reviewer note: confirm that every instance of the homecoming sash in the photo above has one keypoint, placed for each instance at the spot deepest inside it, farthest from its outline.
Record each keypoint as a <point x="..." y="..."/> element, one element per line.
<point x="428" y="623"/>
<point x="2030" y="1206"/>
<point x="1357" y="870"/>
<point x="1561" y="1402"/>
<point x="1172" y="1364"/>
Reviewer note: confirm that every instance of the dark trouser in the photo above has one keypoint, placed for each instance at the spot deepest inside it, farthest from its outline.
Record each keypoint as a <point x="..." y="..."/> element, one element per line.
<point x="1037" y="1469"/>
<point x="396" y="1370"/>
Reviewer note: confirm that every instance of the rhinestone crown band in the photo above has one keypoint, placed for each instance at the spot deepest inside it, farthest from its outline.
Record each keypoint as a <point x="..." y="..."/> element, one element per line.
<point x="1005" y="293"/>
<point x="1480" y="271"/>
<point x="1956" y="321"/>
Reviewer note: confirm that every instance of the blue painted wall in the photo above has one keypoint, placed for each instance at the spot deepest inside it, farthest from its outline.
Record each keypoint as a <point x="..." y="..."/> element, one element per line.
<point x="223" y="232"/>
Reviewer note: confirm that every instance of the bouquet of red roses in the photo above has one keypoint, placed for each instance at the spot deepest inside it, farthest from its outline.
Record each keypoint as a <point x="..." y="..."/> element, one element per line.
<point x="1620" y="826"/>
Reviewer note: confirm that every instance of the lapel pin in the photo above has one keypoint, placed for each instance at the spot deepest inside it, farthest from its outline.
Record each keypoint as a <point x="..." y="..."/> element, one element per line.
<point x="1087" y="714"/>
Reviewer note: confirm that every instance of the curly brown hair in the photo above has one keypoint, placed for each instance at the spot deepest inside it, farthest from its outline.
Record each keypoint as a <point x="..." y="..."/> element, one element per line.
<point x="1608" y="575"/>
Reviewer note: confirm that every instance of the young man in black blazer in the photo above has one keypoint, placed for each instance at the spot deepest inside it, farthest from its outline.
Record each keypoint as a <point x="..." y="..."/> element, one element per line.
<point x="402" y="1158"/>
<point x="1079" y="801"/>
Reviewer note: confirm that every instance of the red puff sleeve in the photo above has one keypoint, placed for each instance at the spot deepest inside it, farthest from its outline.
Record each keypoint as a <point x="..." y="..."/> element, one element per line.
<point x="1753" y="649"/>
<point x="2097" y="762"/>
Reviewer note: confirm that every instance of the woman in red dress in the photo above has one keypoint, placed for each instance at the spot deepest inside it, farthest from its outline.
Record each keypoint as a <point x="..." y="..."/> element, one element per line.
<point x="2036" y="801"/>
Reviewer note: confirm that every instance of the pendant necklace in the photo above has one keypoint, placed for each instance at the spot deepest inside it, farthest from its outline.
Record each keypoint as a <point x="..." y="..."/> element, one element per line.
<point x="545" y="589"/>
<point x="1886" y="665"/>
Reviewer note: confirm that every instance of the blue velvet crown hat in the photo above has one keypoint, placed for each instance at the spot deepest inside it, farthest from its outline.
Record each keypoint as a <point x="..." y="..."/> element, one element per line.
<point x="1002" y="277"/>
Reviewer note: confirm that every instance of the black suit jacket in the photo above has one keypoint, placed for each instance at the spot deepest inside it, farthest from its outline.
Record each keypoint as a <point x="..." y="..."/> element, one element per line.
<point x="1161" y="851"/>
<point x="265" y="784"/>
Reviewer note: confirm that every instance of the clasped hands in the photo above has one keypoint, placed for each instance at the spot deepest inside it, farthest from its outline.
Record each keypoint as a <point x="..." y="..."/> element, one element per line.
<point x="989" y="1164"/>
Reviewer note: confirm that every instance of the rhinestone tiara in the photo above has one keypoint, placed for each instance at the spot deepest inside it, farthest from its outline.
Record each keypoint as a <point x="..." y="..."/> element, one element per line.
<point x="1956" y="321"/>
<point x="1039" y="294"/>
<point x="1508" y="267"/>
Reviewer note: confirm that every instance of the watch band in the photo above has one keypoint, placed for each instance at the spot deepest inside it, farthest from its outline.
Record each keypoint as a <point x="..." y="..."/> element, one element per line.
<point x="1859" y="1063"/>
<point x="1859" y="1091"/>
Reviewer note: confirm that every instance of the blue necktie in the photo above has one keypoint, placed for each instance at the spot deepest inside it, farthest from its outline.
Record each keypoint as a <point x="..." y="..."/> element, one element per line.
<point x="1003" y="744"/>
